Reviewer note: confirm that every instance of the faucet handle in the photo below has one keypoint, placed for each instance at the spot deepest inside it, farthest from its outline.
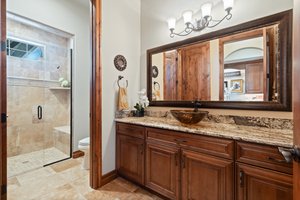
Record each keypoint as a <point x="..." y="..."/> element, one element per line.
<point x="197" y="104"/>
<point x="196" y="101"/>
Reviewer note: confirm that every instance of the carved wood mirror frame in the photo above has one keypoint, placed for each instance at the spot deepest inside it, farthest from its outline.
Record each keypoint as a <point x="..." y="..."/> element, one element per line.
<point x="285" y="64"/>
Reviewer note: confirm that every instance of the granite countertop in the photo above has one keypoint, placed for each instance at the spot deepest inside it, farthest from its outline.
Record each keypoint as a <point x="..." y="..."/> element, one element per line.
<point x="276" y="137"/>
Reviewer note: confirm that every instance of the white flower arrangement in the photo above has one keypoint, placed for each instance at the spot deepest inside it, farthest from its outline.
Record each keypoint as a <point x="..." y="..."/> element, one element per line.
<point x="143" y="101"/>
<point x="64" y="82"/>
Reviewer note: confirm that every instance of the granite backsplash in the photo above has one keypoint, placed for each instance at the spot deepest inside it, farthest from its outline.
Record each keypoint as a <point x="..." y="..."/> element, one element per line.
<point x="273" y="123"/>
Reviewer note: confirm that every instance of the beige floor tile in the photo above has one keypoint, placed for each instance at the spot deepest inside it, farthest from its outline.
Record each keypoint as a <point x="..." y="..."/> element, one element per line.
<point x="13" y="183"/>
<point x="66" y="192"/>
<point x="116" y="191"/>
<point x="74" y="173"/>
<point x="82" y="185"/>
<point x="70" y="183"/>
<point x="97" y="195"/>
<point x="31" y="161"/>
<point x="59" y="167"/>
<point x="41" y="173"/>
<point x="126" y="184"/>
<point x="38" y="187"/>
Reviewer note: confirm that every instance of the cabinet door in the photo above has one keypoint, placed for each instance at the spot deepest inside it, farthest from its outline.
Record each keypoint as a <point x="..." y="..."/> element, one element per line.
<point x="254" y="78"/>
<point x="196" y="72"/>
<point x="254" y="183"/>
<point x="206" y="177"/>
<point x="130" y="158"/>
<point x="162" y="169"/>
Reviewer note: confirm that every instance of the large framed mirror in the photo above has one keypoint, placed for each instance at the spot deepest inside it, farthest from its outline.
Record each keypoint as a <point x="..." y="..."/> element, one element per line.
<point x="247" y="66"/>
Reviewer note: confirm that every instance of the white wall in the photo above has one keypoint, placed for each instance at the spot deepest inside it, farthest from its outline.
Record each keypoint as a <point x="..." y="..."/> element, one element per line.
<point x="121" y="35"/>
<point x="74" y="18"/>
<point x="154" y="32"/>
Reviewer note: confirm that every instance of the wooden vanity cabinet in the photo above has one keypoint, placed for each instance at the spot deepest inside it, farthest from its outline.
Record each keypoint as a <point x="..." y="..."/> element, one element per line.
<point x="188" y="166"/>
<point x="262" y="173"/>
<point x="256" y="183"/>
<point x="205" y="177"/>
<point x="130" y="152"/>
<point x="163" y="169"/>
<point x="183" y="166"/>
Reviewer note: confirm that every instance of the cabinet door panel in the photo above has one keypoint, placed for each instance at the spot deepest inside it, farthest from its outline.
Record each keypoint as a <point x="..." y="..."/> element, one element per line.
<point x="130" y="158"/>
<point x="196" y="72"/>
<point x="206" y="177"/>
<point x="256" y="183"/>
<point x="254" y="78"/>
<point x="162" y="170"/>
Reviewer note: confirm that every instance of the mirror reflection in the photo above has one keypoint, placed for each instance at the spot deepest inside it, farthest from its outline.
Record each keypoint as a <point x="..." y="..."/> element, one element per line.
<point x="239" y="67"/>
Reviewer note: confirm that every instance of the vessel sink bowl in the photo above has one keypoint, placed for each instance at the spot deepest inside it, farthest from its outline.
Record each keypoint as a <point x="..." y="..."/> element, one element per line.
<point x="189" y="116"/>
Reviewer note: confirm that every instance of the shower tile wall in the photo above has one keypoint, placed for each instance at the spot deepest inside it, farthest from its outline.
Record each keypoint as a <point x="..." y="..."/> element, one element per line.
<point x="28" y="87"/>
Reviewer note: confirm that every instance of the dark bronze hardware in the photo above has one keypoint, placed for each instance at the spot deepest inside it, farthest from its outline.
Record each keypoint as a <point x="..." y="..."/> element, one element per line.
<point x="290" y="154"/>
<point x="3" y="118"/>
<point x="40" y="112"/>
<point x="241" y="178"/>
<point x="276" y="160"/>
<point x="120" y="78"/>
<point x="142" y="149"/>
<point x="180" y="140"/>
<point x="197" y="105"/>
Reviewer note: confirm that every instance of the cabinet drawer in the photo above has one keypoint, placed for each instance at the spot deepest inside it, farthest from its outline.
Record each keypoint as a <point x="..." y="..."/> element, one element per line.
<point x="131" y="130"/>
<point x="209" y="145"/>
<point x="263" y="156"/>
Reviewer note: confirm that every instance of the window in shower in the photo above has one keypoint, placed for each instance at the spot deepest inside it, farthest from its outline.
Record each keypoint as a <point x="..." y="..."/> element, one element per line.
<point x="24" y="49"/>
<point x="39" y="107"/>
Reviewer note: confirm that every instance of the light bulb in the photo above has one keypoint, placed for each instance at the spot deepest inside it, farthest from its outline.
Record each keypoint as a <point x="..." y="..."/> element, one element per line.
<point x="172" y="23"/>
<point x="187" y="16"/>
<point x="228" y="4"/>
<point x="206" y="10"/>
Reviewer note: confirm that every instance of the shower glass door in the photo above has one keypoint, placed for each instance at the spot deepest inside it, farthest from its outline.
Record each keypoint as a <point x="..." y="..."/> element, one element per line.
<point x="26" y="99"/>
<point x="39" y="95"/>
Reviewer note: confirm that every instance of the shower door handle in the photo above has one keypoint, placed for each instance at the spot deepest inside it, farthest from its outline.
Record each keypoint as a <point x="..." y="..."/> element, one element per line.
<point x="40" y="112"/>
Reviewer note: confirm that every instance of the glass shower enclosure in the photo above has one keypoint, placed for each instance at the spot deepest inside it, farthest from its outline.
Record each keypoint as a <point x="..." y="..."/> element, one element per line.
<point x="39" y="95"/>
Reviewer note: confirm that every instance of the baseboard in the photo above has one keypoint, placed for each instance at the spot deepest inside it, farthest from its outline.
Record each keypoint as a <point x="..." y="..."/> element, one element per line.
<point x="77" y="154"/>
<point x="106" y="178"/>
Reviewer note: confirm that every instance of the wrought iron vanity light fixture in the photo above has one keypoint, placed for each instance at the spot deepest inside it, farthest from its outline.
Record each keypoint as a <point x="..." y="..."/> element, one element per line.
<point x="206" y="20"/>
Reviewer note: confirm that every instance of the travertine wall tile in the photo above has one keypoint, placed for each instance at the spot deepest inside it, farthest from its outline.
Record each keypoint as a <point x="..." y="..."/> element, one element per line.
<point x="28" y="87"/>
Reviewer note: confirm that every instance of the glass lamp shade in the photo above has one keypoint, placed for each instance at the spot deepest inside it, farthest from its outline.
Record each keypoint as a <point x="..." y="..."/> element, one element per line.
<point x="187" y="16"/>
<point x="206" y="9"/>
<point x="172" y="23"/>
<point x="228" y="4"/>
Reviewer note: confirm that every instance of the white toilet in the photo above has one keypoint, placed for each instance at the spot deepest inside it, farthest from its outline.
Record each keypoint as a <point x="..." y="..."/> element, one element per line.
<point x="84" y="145"/>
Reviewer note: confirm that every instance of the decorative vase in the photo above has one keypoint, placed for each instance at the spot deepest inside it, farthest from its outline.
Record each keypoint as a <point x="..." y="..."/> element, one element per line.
<point x="139" y="113"/>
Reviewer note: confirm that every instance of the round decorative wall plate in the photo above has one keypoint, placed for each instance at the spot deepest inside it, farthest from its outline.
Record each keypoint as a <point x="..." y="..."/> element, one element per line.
<point x="120" y="62"/>
<point x="155" y="72"/>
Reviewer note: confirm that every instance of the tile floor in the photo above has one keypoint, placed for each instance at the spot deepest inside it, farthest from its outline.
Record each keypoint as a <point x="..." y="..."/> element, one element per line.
<point x="68" y="181"/>
<point x="27" y="162"/>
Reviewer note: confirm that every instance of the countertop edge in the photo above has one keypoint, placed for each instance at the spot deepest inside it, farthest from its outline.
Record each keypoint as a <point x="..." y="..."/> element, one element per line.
<point x="186" y="130"/>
